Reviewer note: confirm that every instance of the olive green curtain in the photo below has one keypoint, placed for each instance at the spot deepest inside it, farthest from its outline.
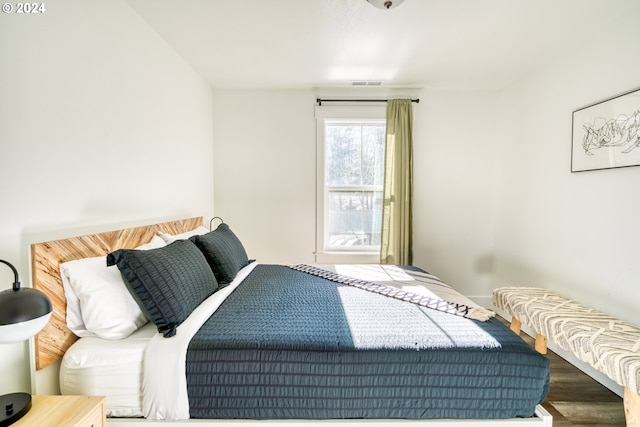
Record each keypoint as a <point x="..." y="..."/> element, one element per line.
<point x="397" y="231"/>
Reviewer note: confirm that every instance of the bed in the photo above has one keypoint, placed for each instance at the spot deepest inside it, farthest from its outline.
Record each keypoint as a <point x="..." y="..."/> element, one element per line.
<point x="269" y="342"/>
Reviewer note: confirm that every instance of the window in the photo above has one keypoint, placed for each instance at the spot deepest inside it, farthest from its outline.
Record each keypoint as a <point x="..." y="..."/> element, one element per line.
<point x="354" y="171"/>
<point x="350" y="179"/>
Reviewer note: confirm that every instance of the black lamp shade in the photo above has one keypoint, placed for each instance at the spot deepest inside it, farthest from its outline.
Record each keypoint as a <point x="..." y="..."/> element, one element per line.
<point x="23" y="311"/>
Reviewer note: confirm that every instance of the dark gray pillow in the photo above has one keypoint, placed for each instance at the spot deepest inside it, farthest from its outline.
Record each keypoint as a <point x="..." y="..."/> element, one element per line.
<point x="168" y="283"/>
<point x="224" y="253"/>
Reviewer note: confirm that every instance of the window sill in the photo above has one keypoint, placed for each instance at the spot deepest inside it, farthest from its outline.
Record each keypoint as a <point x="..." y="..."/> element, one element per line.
<point x="347" y="258"/>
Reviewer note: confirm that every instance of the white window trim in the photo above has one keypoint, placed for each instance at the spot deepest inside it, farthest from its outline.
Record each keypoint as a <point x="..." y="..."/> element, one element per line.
<point x="322" y="115"/>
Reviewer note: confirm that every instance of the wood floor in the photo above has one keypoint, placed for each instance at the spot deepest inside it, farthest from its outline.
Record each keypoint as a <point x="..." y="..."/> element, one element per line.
<point x="575" y="399"/>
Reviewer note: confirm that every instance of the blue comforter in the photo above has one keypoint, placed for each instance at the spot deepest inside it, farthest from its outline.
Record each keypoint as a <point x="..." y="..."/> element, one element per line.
<point x="288" y="345"/>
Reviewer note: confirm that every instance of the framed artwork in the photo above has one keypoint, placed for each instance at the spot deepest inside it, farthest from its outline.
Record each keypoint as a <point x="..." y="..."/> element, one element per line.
<point x="607" y="134"/>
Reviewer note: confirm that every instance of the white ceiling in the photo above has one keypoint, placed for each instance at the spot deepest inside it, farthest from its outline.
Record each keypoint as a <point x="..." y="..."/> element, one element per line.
<point x="421" y="43"/>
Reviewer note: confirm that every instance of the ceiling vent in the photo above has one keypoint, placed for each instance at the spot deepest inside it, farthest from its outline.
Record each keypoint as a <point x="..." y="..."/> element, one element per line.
<point x="366" y="83"/>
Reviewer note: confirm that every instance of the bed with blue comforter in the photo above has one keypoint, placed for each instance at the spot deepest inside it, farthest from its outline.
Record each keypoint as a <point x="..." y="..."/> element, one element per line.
<point x="289" y="345"/>
<point x="272" y="342"/>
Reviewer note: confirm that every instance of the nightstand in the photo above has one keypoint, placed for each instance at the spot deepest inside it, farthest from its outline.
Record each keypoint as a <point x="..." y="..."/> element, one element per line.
<point x="64" y="411"/>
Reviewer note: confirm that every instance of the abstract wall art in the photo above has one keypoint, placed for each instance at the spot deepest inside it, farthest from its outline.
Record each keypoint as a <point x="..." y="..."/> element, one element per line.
<point x="607" y="134"/>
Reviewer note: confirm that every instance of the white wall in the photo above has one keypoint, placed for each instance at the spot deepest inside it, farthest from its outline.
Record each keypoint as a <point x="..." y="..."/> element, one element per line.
<point x="265" y="171"/>
<point x="454" y="191"/>
<point x="576" y="233"/>
<point x="100" y="123"/>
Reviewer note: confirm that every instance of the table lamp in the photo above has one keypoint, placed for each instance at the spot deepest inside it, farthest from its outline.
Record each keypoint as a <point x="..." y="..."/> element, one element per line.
<point x="23" y="313"/>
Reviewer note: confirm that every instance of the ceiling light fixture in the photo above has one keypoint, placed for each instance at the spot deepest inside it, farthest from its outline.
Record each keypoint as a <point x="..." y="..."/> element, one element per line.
<point x="385" y="4"/>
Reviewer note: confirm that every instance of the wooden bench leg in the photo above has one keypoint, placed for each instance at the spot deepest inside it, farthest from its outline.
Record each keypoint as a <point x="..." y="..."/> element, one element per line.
<point x="541" y="340"/>
<point x="631" y="408"/>
<point x="541" y="344"/>
<point x="515" y="325"/>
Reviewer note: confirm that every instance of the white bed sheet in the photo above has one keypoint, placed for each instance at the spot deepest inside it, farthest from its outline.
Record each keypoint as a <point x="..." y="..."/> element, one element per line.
<point x="94" y="366"/>
<point x="164" y="397"/>
<point x="116" y="369"/>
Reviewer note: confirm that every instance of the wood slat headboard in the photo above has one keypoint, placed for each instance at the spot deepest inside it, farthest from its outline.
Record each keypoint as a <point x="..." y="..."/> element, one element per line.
<point x="52" y="342"/>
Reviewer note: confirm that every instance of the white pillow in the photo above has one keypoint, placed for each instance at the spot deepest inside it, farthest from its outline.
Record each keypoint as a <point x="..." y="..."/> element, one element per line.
<point x="170" y="238"/>
<point x="153" y="244"/>
<point x="98" y="302"/>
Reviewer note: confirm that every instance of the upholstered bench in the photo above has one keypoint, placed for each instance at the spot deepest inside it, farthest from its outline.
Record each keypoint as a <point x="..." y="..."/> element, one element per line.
<point x="610" y="345"/>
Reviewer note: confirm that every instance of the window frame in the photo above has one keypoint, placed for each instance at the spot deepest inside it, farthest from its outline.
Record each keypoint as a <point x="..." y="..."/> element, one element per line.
<point x="347" y="114"/>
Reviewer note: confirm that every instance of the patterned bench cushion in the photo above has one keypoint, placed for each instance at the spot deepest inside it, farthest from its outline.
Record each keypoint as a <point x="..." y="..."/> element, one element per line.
<point x="610" y="345"/>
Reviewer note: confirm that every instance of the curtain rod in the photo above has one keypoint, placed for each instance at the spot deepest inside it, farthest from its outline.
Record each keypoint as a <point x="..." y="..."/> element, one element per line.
<point x="320" y="100"/>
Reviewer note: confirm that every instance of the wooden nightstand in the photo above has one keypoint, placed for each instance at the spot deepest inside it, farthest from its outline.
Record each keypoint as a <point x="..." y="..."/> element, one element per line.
<point x="64" y="411"/>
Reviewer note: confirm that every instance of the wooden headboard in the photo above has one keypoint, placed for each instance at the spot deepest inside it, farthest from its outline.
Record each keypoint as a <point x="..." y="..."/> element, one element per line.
<point x="52" y="342"/>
